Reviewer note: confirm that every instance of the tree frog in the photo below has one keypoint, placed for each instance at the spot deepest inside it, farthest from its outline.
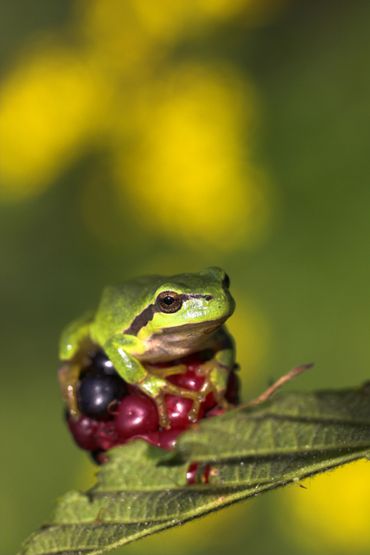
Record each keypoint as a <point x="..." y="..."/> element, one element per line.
<point x="146" y="326"/>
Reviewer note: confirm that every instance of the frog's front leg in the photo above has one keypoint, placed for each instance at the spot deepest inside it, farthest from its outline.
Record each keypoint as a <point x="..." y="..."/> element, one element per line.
<point x="119" y="349"/>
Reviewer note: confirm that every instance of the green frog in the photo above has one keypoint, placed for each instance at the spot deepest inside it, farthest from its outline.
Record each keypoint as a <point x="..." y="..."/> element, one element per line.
<point x="147" y="327"/>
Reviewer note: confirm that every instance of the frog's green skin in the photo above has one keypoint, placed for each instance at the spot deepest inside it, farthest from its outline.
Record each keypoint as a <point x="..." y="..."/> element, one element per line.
<point x="135" y="333"/>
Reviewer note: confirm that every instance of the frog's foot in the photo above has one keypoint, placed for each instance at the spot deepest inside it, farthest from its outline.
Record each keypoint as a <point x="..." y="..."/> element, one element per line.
<point x="168" y="371"/>
<point x="68" y="377"/>
<point x="157" y="388"/>
<point x="216" y="377"/>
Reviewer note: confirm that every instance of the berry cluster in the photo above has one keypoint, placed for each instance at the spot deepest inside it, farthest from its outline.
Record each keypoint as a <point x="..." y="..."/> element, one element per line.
<point x="113" y="412"/>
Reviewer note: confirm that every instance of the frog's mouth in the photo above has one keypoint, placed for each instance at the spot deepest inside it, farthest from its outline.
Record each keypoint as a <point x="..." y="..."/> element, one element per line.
<point x="202" y="328"/>
<point x="178" y="341"/>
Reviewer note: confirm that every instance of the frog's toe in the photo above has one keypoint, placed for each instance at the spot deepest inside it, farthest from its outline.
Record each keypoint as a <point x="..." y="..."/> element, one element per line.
<point x="194" y="411"/>
<point x="171" y="389"/>
<point x="165" y="372"/>
<point x="164" y="420"/>
<point x="68" y="377"/>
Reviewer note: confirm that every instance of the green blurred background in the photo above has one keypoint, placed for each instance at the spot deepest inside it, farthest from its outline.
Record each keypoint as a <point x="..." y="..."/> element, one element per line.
<point x="140" y="136"/>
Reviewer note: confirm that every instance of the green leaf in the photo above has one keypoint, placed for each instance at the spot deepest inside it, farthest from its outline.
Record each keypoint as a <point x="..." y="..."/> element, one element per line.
<point x="143" y="490"/>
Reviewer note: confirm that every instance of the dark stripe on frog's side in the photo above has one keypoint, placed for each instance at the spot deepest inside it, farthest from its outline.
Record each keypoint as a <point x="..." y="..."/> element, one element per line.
<point x="141" y="320"/>
<point x="147" y="314"/>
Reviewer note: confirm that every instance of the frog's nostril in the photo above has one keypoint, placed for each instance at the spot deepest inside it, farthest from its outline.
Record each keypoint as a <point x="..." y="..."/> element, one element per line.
<point x="208" y="297"/>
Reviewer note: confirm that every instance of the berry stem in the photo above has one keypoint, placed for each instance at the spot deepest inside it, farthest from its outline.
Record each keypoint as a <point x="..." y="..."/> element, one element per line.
<point x="265" y="395"/>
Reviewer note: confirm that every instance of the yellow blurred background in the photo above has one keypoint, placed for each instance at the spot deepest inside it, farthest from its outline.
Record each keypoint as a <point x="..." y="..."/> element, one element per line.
<point x="141" y="137"/>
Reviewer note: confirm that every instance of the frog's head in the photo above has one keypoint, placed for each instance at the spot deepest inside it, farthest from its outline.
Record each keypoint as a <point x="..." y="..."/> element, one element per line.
<point x="170" y="316"/>
<point x="200" y="299"/>
<point x="183" y="311"/>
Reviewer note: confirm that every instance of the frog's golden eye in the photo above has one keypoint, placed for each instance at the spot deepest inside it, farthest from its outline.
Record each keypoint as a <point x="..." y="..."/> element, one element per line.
<point x="169" y="301"/>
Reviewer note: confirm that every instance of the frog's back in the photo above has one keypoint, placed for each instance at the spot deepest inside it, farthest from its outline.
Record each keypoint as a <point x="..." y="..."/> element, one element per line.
<point x="120" y="304"/>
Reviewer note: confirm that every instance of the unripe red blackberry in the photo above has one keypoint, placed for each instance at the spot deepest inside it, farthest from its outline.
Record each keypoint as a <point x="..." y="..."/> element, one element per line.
<point x="92" y="435"/>
<point x="190" y="379"/>
<point x="136" y="414"/>
<point x="178" y="409"/>
<point x="198" y="474"/>
<point x="107" y="436"/>
<point x="168" y="438"/>
<point x="84" y="432"/>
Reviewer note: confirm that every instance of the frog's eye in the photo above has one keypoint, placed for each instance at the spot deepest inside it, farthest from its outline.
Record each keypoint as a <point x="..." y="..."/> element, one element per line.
<point x="226" y="282"/>
<point x="169" y="301"/>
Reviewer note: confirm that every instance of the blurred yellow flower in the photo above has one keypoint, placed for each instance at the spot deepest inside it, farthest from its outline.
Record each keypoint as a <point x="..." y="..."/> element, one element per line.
<point x="181" y="135"/>
<point x="160" y="23"/>
<point x="333" y="513"/>
<point x="189" y="172"/>
<point x="170" y="19"/>
<point x="115" y="39"/>
<point x="49" y="106"/>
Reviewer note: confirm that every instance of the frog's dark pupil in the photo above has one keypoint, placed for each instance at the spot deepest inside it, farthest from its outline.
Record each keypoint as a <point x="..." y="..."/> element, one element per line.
<point x="168" y="300"/>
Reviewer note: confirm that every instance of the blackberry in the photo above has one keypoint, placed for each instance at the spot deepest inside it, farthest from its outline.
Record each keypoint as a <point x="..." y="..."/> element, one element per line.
<point x="113" y="412"/>
<point x="98" y="393"/>
<point x="100" y="363"/>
